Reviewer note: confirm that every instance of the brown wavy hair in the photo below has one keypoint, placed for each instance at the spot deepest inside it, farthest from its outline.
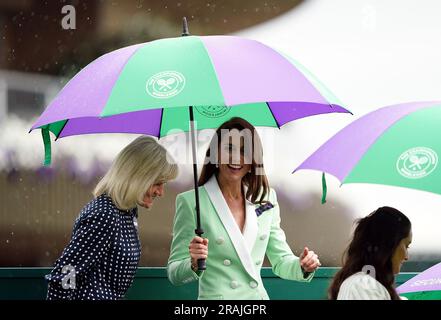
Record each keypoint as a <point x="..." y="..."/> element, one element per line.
<point x="374" y="242"/>
<point x="256" y="180"/>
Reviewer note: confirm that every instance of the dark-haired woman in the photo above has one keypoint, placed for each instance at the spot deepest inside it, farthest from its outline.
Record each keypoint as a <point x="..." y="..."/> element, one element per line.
<point x="378" y="249"/>
<point x="241" y="221"/>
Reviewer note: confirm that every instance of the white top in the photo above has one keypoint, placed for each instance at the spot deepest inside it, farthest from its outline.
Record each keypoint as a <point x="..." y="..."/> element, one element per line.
<point x="361" y="286"/>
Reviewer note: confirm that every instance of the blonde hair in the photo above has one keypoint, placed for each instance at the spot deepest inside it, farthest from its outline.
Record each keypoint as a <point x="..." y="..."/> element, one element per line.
<point x="140" y="165"/>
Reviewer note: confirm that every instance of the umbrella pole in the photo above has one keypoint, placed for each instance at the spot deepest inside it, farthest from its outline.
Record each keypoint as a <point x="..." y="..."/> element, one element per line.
<point x="198" y="231"/>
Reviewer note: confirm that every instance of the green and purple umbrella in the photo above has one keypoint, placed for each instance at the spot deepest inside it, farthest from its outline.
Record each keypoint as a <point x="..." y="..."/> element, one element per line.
<point x="148" y="88"/>
<point x="156" y="87"/>
<point x="397" y="145"/>
<point x="424" y="286"/>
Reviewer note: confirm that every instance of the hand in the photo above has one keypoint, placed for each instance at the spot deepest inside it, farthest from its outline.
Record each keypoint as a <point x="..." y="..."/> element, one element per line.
<point x="309" y="260"/>
<point x="198" y="249"/>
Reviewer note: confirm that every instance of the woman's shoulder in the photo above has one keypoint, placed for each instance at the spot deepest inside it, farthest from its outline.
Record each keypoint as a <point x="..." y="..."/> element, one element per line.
<point x="186" y="194"/>
<point x="272" y="195"/>
<point x="362" y="279"/>
<point x="362" y="286"/>
<point x="189" y="194"/>
<point x="99" y="207"/>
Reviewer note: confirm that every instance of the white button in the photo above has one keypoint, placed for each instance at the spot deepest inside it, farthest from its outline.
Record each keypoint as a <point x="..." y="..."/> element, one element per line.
<point x="234" y="284"/>
<point x="263" y="237"/>
<point x="258" y="262"/>
<point x="227" y="262"/>
<point x="220" y="240"/>
<point x="253" y="284"/>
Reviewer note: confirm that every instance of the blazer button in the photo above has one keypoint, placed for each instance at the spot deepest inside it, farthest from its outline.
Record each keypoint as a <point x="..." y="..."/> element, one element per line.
<point x="258" y="262"/>
<point x="263" y="237"/>
<point x="253" y="284"/>
<point x="227" y="262"/>
<point x="220" y="240"/>
<point x="234" y="284"/>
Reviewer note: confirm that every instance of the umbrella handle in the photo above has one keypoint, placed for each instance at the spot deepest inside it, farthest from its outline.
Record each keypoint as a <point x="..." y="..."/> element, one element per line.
<point x="201" y="265"/>
<point x="201" y="262"/>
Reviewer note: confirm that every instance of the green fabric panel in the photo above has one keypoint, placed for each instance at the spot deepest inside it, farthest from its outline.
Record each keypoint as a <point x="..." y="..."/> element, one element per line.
<point x="182" y="74"/>
<point x="207" y="117"/>
<point x="57" y="127"/>
<point x="411" y="146"/>
<point x="423" y="295"/>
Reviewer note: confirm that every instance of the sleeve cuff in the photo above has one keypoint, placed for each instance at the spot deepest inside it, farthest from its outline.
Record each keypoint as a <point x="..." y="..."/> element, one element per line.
<point x="191" y="275"/>
<point x="307" y="276"/>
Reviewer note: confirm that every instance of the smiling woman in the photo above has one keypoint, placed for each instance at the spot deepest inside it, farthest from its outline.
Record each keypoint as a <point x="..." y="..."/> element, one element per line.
<point x="102" y="257"/>
<point x="241" y="223"/>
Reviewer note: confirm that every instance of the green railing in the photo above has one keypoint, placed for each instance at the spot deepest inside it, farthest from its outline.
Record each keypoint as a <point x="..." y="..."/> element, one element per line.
<point x="152" y="284"/>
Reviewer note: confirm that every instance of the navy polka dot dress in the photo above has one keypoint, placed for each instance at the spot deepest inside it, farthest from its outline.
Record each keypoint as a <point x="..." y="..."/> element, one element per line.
<point x="101" y="259"/>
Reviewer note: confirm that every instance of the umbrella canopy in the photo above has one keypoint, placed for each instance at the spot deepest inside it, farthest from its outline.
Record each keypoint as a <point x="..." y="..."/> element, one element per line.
<point x="424" y="286"/>
<point x="138" y="89"/>
<point x="397" y="145"/>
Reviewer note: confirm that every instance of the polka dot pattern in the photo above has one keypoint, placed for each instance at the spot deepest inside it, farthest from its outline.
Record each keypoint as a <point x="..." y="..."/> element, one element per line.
<point x="103" y="254"/>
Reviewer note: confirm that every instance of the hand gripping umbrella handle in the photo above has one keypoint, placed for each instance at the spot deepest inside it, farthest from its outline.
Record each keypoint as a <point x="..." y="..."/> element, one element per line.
<point x="201" y="265"/>
<point x="201" y="262"/>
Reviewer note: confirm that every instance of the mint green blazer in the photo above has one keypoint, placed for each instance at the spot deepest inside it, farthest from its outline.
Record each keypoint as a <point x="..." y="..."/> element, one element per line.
<point x="234" y="258"/>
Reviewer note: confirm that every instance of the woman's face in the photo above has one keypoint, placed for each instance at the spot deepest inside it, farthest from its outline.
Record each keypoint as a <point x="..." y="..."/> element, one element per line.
<point x="157" y="190"/>
<point x="235" y="157"/>
<point x="401" y="253"/>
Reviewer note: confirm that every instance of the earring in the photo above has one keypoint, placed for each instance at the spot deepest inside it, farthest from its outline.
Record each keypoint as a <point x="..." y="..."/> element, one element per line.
<point x="217" y="165"/>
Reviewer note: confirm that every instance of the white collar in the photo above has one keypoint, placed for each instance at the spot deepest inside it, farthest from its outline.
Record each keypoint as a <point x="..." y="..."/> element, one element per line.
<point x="243" y="243"/>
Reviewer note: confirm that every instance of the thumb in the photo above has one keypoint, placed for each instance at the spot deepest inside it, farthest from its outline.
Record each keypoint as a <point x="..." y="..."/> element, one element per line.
<point x="305" y="252"/>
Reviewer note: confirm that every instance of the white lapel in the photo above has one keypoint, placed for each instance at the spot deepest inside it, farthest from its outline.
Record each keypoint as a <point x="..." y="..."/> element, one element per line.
<point x="240" y="244"/>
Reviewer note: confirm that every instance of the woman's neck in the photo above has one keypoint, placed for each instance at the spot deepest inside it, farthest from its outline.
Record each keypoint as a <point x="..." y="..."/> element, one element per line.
<point x="230" y="190"/>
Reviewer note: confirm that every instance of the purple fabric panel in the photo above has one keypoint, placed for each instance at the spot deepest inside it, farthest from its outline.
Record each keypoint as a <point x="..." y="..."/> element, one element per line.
<point x="142" y="122"/>
<point x="249" y="71"/>
<point x="288" y="111"/>
<point x="429" y="280"/>
<point x="341" y="153"/>
<point x="86" y="94"/>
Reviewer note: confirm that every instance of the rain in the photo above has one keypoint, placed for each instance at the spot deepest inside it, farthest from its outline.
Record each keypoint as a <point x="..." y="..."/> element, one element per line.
<point x="370" y="54"/>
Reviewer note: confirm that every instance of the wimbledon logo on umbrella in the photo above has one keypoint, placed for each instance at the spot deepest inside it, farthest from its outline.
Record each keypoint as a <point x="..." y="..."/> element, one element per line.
<point x="165" y="84"/>
<point x="417" y="162"/>
<point x="426" y="282"/>
<point x="213" y="111"/>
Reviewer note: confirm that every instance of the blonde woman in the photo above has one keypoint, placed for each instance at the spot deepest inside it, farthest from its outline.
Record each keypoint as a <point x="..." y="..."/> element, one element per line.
<point x="102" y="257"/>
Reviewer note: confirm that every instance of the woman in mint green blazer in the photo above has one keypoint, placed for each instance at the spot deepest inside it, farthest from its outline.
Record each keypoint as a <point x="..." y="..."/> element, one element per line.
<point x="241" y="220"/>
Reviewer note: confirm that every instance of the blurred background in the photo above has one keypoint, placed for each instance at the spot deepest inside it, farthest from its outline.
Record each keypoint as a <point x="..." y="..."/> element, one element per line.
<point x="369" y="53"/>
